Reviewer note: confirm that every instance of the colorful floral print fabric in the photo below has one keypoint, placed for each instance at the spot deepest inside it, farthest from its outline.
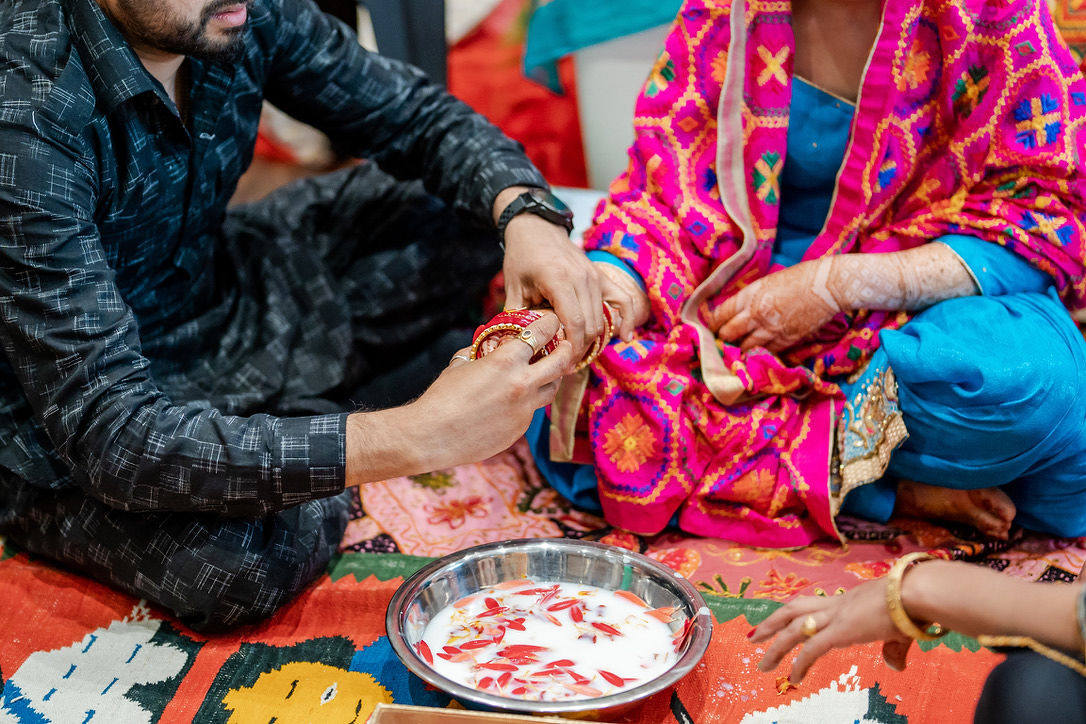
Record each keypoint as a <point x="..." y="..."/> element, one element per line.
<point x="969" y="120"/>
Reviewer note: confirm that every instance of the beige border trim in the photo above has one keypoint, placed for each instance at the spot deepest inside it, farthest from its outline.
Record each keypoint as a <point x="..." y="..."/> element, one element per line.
<point x="564" y="412"/>
<point x="731" y="182"/>
<point x="828" y="92"/>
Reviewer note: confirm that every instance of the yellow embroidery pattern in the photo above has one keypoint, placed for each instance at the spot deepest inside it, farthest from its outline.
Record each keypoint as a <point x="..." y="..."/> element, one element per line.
<point x="774" y="65"/>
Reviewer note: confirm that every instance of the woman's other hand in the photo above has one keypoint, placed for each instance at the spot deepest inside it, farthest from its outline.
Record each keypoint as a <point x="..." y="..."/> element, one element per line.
<point x="625" y="296"/>
<point x="855" y="617"/>
<point x="778" y="310"/>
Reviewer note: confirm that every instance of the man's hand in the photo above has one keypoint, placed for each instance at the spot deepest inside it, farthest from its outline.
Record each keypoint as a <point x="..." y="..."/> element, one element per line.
<point x="543" y="265"/>
<point x="778" y="310"/>
<point x="472" y="411"/>
<point x="626" y="297"/>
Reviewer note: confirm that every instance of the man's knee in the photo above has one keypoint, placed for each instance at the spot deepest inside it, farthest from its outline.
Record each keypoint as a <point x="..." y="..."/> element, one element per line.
<point x="224" y="599"/>
<point x="245" y="574"/>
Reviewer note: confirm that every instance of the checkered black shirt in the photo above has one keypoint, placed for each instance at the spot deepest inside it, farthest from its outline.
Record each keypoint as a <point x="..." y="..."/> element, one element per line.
<point x="111" y="268"/>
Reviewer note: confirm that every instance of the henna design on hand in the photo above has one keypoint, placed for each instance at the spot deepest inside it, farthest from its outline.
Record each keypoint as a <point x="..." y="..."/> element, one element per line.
<point x="911" y="279"/>
<point x="792" y="304"/>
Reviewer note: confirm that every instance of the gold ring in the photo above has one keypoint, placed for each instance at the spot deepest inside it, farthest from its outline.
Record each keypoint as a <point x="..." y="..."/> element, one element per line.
<point x="527" y="337"/>
<point x="809" y="627"/>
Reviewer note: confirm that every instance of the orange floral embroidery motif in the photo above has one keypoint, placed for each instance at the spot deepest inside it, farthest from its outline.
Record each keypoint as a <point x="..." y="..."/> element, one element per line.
<point x="781" y="588"/>
<point x="455" y="512"/>
<point x="755" y="489"/>
<point x="868" y="570"/>
<point x="629" y="443"/>
<point x="685" y="561"/>
<point x="917" y="68"/>
<point x="720" y="67"/>
<point x="622" y="539"/>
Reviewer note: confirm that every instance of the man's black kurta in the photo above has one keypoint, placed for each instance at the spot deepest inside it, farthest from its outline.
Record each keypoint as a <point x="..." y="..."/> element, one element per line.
<point x="139" y="361"/>
<point x="168" y="362"/>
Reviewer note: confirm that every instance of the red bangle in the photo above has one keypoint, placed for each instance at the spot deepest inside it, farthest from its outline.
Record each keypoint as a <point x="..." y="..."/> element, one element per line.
<point x="512" y="321"/>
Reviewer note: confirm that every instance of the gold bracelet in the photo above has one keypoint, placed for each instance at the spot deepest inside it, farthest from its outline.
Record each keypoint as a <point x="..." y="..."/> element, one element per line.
<point x="896" y="609"/>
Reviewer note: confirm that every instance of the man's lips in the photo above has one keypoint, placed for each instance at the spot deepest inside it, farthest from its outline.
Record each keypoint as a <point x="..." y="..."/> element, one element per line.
<point x="232" y="16"/>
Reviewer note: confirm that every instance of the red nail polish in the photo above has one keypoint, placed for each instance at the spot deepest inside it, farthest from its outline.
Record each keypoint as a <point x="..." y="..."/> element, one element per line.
<point x="751" y="632"/>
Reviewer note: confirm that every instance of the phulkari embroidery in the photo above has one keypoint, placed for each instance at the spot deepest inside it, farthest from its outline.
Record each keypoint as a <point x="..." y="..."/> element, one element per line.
<point x="969" y="120"/>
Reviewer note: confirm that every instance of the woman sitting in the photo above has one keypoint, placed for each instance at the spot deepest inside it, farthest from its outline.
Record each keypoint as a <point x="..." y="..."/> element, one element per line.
<point x="843" y="256"/>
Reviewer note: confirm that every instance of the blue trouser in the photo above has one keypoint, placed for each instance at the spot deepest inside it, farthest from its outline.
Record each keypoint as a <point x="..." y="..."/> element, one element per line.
<point x="989" y="389"/>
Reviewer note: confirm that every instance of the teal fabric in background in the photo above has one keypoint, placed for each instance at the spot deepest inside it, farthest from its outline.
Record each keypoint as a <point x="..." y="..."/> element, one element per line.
<point x="560" y="27"/>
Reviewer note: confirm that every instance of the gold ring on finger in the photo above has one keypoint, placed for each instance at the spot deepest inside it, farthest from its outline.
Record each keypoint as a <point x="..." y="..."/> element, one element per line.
<point x="809" y="627"/>
<point x="528" y="337"/>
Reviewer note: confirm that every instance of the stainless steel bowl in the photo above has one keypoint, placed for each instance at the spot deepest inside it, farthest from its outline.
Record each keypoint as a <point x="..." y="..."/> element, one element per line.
<point x="466" y="572"/>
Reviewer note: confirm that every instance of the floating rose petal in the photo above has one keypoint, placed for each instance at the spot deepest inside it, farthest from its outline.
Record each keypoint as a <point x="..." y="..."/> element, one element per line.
<point x="606" y="628"/>
<point x="632" y="598"/>
<point x="583" y="690"/>
<point x="662" y="614"/>
<point x="612" y="678"/>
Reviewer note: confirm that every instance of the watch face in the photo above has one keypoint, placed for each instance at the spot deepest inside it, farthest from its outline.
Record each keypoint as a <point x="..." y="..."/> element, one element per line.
<point x="548" y="199"/>
<point x="559" y="213"/>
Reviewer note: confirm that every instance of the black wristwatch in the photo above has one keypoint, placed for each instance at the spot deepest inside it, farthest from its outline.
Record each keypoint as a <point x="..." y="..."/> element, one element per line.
<point x="541" y="203"/>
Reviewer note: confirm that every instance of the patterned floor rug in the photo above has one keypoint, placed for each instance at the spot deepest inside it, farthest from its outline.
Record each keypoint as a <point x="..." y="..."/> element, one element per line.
<point x="75" y="651"/>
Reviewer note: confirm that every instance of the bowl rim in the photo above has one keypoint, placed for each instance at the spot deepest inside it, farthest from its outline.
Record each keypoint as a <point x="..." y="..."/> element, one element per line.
<point x="698" y="638"/>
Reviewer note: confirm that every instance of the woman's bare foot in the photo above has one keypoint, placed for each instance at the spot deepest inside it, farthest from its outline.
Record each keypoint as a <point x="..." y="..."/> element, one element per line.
<point x="989" y="510"/>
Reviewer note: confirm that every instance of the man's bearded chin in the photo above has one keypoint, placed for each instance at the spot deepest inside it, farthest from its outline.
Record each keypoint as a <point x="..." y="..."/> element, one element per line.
<point x="155" y="25"/>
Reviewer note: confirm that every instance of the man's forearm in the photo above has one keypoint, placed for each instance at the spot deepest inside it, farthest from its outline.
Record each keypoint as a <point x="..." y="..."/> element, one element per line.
<point x="472" y="410"/>
<point x="911" y="279"/>
<point x="382" y="445"/>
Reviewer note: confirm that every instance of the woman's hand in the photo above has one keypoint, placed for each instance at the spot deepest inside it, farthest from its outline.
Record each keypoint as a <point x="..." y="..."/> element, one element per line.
<point x="625" y="296"/>
<point x="778" y="310"/>
<point x="962" y="597"/>
<point x="856" y="617"/>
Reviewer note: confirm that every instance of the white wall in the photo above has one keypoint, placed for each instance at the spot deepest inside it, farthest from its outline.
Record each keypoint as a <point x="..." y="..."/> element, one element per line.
<point x="609" y="77"/>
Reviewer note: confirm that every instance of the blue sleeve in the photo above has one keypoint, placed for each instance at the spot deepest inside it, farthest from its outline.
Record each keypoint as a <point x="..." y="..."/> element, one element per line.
<point x="608" y="258"/>
<point x="997" y="270"/>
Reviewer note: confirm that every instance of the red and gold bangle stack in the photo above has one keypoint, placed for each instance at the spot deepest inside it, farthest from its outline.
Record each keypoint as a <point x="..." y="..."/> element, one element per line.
<point x="512" y="322"/>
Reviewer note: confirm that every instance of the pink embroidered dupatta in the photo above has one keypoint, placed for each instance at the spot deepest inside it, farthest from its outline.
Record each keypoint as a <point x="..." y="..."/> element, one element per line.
<point x="970" y="120"/>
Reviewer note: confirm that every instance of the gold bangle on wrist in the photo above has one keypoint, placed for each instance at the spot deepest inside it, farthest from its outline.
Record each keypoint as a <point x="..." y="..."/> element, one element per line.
<point x="896" y="609"/>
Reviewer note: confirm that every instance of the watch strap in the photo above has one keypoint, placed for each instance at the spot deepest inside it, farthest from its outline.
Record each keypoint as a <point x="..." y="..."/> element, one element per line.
<point x="514" y="207"/>
<point x="531" y="202"/>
